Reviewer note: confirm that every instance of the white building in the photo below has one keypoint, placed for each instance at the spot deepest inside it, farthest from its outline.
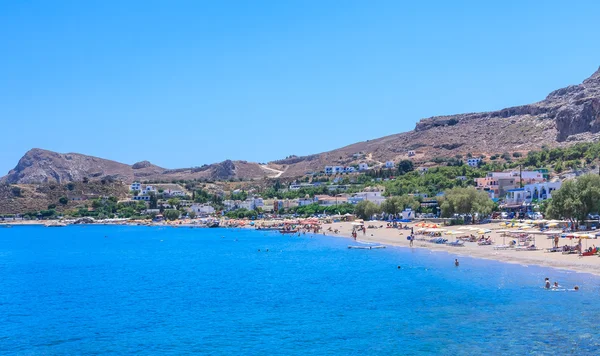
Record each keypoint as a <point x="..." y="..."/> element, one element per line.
<point x="175" y="193"/>
<point x="411" y="153"/>
<point x="389" y="164"/>
<point x="363" y="166"/>
<point x="473" y="162"/>
<point x="530" y="192"/>
<point x="328" y="169"/>
<point x="369" y="194"/>
<point x="202" y="209"/>
<point x="141" y="197"/>
<point x="135" y="186"/>
<point x="349" y="169"/>
<point x="149" y="189"/>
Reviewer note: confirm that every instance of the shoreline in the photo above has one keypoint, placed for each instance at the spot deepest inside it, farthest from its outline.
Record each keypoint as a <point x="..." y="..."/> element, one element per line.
<point x="397" y="238"/>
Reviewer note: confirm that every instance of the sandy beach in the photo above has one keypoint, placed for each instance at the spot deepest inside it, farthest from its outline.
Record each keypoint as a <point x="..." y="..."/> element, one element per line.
<point x="398" y="237"/>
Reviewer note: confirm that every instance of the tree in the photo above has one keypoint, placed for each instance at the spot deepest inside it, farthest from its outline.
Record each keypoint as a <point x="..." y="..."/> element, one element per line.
<point x="465" y="201"/>
<point x="395" y="205"/>
<point x="63" y="200"/>
<point x="192" y="214"/>
<point x="174" y="202"/>
<point x="171" y="214"/>
<point x="405" y="166"/>
<point x="366" y="209"/>
<point x="576" y="199"/>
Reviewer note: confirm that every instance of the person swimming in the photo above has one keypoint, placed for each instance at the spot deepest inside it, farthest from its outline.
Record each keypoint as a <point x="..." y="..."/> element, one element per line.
<point x="456" y="262"/>
<point x="576" y="288"/>
<point x="547" y="283"/>
<point x="555" y="286"/>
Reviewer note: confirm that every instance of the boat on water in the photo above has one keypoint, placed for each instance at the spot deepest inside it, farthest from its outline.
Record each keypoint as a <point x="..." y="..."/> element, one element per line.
<point x="284" y="231"/>
<point x="268" y="228"/>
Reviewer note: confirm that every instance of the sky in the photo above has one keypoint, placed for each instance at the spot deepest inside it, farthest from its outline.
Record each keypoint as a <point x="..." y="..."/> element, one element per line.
<point x="184" y="83"/>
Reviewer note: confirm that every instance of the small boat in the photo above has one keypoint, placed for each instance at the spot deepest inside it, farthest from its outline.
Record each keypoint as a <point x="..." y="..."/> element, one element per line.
<point x="283" y="231"/>
<point x="366" y="247"/>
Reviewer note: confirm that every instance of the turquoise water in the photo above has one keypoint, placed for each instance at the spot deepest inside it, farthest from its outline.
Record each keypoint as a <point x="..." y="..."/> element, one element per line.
<point x="148" y="290"/>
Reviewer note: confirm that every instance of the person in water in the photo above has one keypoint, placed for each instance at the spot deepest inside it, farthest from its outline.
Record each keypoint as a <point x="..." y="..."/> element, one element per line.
<point x="456" y="262"/>
<point x="547" y="283"/>
<point x="555" y="286"/>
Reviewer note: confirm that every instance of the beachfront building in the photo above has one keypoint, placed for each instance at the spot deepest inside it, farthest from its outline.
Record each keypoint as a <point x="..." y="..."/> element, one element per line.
<point x="389" y="164"/>
<point x="473" y="162"/>
<point x="500" y="182"/>
<point x="305" y="201"/>
<point x="363" y="166"/>
<point x="202" y="209"/>
<point x="530" y="193"/>
<point x="135" y="186"/>
<point x="326" y="200"/>
<point x="372" y="194"/>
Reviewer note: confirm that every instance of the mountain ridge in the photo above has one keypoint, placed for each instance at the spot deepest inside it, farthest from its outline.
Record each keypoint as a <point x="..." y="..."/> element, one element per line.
<point x="565" y="116"/>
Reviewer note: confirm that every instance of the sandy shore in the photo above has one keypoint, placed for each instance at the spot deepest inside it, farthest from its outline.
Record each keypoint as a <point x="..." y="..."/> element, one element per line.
<point x="396" y="237"/>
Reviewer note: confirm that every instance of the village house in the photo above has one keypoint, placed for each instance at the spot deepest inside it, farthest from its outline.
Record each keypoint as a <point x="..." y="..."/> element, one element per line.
<point x="363" y="166"/>
<point x="135" y="186"/>
<point x="473" y="162"/>
<point x="389" y="164"/>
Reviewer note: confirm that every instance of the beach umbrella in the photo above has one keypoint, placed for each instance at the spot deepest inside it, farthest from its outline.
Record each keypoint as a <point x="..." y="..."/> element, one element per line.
<point x="552" y="224"/>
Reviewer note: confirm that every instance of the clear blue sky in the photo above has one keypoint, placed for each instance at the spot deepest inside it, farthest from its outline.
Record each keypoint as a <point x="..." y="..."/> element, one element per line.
<point x="182" y="83"/>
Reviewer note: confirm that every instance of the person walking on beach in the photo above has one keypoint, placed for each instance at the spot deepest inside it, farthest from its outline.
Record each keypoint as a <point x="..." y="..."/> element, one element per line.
<point x="412" y="238"/>
<point x="556" y="241"/>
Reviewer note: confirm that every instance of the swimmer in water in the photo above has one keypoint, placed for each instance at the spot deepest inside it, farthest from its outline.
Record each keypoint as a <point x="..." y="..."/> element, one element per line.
<point x="399" y="267"/>
<point x="456" y="262"/>
<point x="547" y="283"/>
<point x="576" y="288"/>
<point x="555" y="286"/>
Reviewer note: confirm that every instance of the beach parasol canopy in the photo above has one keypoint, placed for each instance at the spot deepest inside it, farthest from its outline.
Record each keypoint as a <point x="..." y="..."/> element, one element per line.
<point x="451" y="232"/>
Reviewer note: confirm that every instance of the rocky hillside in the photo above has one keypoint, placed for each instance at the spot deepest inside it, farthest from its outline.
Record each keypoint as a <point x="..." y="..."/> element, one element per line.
<point x="42" y="166"/>
<point x="565" y="116"/>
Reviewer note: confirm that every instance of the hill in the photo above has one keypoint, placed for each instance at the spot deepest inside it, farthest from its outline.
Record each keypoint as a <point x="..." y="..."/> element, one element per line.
<point x="564" y="117"/>
<point x="42" y="166"/>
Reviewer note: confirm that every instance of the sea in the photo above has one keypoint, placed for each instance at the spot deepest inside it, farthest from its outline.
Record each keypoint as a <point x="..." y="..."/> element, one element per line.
<point x="137" y="290"/>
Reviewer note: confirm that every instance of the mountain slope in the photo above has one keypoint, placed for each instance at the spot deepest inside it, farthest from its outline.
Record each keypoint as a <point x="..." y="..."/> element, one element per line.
<point x="565" y="116"/>
<point x="42" y="166"/>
